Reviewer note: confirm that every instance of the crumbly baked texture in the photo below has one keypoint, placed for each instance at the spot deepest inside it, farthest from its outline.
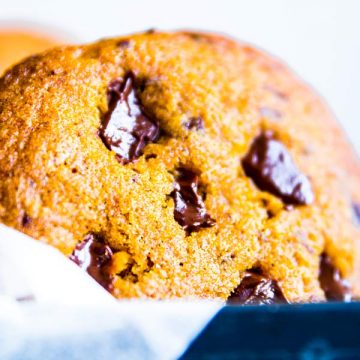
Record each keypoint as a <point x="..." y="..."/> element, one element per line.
<point x="181" y="165"/>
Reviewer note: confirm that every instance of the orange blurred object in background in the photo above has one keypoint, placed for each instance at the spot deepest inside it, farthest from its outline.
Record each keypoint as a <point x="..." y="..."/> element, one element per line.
<point x="16" y="44"/>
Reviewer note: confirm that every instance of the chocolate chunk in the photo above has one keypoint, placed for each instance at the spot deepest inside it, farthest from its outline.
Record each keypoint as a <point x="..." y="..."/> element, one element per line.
<point x="195" y="36"/>
<point x="93" y="256"/>
<point x="194" y="123"/>
<point x="356" y="212"/>
<point x="257" y="289"/>
<point x="334" y="287"/>
<point x="26" y="220"/>
<point x="272" y="169"/>
<point x="123" y="43"/>
<point x="190" y="210"/>
<point x="126" y="129"/>
<point x="150" y="31"/>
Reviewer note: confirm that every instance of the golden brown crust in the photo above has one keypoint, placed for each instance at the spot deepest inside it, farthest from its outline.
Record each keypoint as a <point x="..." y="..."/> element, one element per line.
<point x="56" y="171"/>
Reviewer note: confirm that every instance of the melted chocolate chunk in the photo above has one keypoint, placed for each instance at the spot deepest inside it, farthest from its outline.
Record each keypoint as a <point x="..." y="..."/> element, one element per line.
<point x="272" y="169"/>
<point x="356" y="212"/>
<point x="123" y="43"/>
<point x="196" y="123"/>
<point x="190" y="210"/>
<point x="334" y="287"/>
<point x="26" y="220"/>
<point x="93" y="256"/>
<point x="126" y="129"/>
<point x="257" y="289"/>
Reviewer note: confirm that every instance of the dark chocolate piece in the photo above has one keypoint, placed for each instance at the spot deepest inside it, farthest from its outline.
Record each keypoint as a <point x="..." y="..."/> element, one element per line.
<point x="335" y="288"/>
<point x="190" y="210"/>
<point x="26" y="220"/>
<point x="194" y="123"/>
<point x="272" y="169"/>
<point x="93" y="256"/>
<point x="126" y="129"/>
<point x="195" y="36"/>
<point x="257" y="289"/>
<point x="151" y="31"/>
<point x="123" y="43"/>
<point x="356" y="212"/>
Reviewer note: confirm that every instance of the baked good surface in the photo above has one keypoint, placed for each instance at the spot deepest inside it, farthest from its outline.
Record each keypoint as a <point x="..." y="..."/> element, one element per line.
<point x="181" y="165"/>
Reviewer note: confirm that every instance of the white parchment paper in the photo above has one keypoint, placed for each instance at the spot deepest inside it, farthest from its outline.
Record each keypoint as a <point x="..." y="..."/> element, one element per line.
<point x="72" y="317"/>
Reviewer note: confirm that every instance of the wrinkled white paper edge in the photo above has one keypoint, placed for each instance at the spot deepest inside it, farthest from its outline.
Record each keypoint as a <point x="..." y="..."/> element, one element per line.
<point x="68" y="302"/>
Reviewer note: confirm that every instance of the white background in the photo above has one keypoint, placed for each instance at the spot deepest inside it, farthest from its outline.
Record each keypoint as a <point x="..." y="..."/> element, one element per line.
<point x="319" y="39"/>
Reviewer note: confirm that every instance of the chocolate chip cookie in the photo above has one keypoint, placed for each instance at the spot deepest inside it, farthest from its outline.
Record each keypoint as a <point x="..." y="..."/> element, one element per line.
<point x="181" y="165"/>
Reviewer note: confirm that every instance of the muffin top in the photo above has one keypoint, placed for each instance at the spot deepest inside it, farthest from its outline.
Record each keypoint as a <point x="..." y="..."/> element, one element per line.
<point x="181" y="165"/>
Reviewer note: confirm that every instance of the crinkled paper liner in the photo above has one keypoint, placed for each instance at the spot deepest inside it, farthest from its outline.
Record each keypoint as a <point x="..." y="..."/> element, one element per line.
<point x="50" y="309"/>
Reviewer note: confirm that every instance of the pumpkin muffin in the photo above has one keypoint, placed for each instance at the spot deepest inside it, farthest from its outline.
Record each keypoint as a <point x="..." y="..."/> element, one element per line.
<point x="181" y="165"/>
